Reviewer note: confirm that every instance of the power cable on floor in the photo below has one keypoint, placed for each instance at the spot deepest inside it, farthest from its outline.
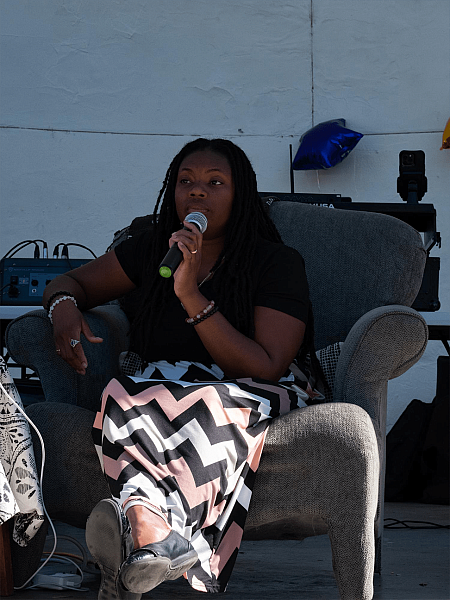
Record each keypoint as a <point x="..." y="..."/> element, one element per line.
<point x="87" y="564"/>
<point x="397" y="524"/>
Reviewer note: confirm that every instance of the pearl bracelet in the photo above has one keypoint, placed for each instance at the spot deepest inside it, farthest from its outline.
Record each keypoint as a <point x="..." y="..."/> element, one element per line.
<point x="55" y="295"/>
<point x="204" y="314"/>
<point x="56" y="302"/>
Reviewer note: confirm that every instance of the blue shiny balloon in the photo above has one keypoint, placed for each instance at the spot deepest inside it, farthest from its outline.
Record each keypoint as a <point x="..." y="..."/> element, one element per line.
<point x="325" y="145"/>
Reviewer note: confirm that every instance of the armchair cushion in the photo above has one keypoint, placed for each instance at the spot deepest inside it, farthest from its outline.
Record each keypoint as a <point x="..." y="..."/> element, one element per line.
<point x="355" y="261"/>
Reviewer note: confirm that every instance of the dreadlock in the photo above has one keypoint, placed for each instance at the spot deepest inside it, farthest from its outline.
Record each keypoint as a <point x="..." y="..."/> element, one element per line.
<point x="232" y="281"/>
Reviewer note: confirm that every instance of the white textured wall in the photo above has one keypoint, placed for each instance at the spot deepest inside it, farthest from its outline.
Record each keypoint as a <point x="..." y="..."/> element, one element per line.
<point x="98" y="95"/>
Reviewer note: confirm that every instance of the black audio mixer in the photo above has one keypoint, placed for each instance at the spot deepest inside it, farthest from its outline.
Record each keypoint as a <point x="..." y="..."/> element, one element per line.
<point x="23" y="280"/>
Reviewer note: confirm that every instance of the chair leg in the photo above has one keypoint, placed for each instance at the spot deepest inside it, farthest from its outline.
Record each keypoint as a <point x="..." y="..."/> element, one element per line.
<point x="6" y="573"/>
<point x="353" y="557"/>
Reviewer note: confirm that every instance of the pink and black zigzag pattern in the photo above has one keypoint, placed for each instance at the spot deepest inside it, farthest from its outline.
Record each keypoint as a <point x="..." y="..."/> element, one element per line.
<point x="193" y="449"/>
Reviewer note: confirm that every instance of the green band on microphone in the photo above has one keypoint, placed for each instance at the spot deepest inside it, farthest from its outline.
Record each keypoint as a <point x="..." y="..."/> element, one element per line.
<point x="165" y="272"/>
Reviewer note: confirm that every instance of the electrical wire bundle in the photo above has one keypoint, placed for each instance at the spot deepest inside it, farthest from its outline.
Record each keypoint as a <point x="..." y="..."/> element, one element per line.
<point x="37" y="253"/>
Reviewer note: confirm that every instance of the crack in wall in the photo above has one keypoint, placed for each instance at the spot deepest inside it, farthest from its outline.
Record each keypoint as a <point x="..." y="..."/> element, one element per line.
<point x="239" y="134"/>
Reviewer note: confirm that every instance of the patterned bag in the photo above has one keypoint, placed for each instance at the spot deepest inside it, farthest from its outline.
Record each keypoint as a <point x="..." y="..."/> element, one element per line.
<point x="20" y="494"/>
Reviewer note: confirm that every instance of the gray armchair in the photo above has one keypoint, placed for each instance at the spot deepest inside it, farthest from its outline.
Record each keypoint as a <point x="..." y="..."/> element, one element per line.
<point x="322" y="468"/>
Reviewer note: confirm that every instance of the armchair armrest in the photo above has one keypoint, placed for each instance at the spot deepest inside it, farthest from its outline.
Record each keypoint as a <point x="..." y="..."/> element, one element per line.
<point x="29" y="340"/>
<point x="383" y="344"/>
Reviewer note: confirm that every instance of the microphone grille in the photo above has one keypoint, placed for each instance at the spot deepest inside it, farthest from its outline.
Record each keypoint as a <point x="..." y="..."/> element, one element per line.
<point x="198" y="219"/>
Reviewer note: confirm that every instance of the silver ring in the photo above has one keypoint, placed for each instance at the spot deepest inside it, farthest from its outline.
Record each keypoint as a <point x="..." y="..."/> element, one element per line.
<point x="58" y="350"/>
<point x="73" y="342"/>
<point x="194" y="251"/>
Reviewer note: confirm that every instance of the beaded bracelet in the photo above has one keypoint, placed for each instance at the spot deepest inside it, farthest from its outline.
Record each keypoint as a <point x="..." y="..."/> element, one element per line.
<point x="53" y="296"/>
<point x="56" y="302"/>
<point x="210" y="314"/>
<point x="204" y="314"/>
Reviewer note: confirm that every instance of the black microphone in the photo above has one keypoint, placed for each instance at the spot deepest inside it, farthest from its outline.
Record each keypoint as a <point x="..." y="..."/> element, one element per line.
<point x="173" y="258"/>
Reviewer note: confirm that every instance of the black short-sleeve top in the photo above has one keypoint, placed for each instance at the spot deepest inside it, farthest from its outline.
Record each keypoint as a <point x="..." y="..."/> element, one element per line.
<point x="279" y="282"/>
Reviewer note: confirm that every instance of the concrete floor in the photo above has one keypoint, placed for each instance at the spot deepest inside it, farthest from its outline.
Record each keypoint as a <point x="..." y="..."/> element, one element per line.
<point x="416" y="566"/>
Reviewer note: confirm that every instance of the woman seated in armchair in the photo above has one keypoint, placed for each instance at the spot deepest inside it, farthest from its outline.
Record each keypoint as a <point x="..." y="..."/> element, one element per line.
<point x="213" y="352"/>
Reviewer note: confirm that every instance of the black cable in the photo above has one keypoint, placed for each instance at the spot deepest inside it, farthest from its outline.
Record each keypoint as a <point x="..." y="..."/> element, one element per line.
<point x="26" y="242"/>
<point x="56" y="250"/>
<point x="81" y="246"/>
<point x="65" y="251"/>
<point x="22" y="245"/>
<point x="397" y="524"/>
<point x="37" y="253"/>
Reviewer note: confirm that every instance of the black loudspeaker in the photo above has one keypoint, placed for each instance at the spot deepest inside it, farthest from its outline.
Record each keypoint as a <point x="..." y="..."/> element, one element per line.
<point x="417" y="448"/>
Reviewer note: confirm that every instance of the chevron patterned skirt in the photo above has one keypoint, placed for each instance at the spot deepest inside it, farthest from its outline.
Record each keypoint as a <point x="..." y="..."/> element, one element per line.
<point x="192" y="447"/>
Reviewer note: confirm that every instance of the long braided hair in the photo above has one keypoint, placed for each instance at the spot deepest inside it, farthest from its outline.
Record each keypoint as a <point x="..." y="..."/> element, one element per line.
<point x="232" y="278"/>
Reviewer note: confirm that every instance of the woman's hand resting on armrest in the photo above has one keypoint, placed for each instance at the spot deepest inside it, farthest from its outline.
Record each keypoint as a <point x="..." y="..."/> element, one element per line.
<point x="91" y="285"/>
<point x="68" y="325"/>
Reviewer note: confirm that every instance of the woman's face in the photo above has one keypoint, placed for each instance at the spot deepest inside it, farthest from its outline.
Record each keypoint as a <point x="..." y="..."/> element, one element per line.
<point x="205" y="184"/>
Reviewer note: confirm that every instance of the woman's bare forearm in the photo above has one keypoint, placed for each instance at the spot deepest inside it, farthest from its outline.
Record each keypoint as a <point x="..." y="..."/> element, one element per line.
<point x="64" y="284"/>
<point x="277" y="340"/>
<point x="93" y="284"/>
